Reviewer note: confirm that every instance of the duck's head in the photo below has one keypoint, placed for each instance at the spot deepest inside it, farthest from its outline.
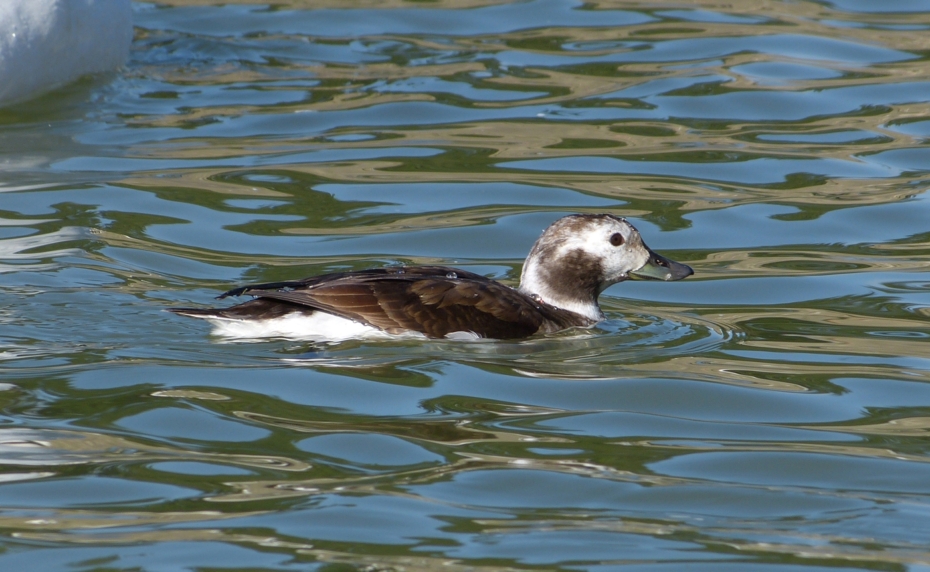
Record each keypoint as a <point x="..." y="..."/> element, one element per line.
<point x="579" y="256"/>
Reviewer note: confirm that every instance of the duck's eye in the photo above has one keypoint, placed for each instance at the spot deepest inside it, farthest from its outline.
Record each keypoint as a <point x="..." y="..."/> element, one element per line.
<point x="616" y="239"/>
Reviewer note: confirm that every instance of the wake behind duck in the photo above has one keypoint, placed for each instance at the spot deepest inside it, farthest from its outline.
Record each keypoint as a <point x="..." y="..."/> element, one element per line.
<point x="574" y="260"/>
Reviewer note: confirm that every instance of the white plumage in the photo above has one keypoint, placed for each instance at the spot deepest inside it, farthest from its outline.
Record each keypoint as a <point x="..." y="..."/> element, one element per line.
<point x="318" y="326"/>
<point x="45" y="44"/>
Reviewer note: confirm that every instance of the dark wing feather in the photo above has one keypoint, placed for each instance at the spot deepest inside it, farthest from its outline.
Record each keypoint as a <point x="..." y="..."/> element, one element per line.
<point x="257" y="309"/>
<point x="433" y="300"/>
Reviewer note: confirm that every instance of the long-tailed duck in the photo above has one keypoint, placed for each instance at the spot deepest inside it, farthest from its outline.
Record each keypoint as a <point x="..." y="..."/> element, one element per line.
<point x="573" y="261"/>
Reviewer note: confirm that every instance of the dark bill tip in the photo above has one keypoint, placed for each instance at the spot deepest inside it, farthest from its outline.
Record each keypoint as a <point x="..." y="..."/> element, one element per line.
<point x="660" y="268"/>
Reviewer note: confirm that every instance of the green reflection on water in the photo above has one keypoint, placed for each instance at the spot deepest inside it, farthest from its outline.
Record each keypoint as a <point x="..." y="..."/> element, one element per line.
<point x="797" y="353"/>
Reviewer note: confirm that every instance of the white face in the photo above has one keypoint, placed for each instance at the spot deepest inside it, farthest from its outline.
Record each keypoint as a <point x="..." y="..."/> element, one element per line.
<point x="619" y="255"/>
<point x="611" y="241"/>
<point x="580" y="255"/>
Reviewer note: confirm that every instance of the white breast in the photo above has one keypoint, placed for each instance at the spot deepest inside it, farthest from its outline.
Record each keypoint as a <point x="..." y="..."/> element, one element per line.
<point x="48" y="43"/>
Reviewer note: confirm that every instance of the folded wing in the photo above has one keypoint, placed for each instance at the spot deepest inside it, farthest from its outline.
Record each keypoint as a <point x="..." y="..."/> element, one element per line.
<point x="433" y="300"/>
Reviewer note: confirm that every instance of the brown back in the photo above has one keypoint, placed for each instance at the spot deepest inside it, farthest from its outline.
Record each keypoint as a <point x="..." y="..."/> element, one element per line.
<point x="433" y="300"/>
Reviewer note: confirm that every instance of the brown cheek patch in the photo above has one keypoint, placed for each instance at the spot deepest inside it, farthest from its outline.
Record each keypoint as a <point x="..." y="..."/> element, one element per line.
<point x="578" y="276"/>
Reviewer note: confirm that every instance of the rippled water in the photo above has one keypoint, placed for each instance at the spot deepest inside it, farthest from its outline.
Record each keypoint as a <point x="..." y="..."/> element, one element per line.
<point x="771" y="412"/>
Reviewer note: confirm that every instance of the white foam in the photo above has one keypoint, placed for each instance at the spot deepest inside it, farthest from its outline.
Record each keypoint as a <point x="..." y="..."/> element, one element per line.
<point x="45" y="44"/>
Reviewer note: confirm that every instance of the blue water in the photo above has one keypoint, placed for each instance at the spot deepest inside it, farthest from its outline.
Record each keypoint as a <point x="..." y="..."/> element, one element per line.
<point x="768" y="413"/>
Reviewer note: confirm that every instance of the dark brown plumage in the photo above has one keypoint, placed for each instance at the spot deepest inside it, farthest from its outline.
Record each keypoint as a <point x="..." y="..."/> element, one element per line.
<point x="433" y="300"/>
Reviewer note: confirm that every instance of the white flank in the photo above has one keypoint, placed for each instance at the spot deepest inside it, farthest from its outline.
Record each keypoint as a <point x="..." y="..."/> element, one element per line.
<point x="318" y="326"/>
<point x="462" y="336"/>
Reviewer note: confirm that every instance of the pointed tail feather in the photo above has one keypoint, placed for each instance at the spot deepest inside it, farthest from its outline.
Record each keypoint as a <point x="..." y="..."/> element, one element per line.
<point x="197" y="312"/>
<point x="257" y="309"/>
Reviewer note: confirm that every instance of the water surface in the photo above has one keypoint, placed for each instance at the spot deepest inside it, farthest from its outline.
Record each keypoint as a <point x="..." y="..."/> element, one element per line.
<point x="769" y="413"/>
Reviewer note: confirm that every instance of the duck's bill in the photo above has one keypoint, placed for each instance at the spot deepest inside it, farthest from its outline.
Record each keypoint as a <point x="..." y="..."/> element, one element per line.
<point x="660" y="268"/>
